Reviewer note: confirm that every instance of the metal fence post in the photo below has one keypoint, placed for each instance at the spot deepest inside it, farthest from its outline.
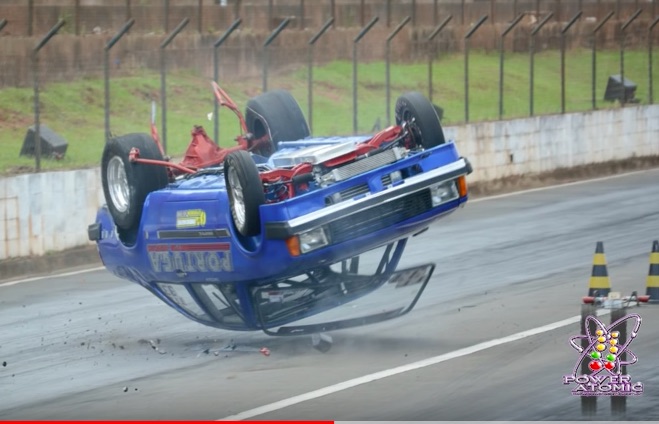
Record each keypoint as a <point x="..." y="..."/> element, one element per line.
<point x="532" y="59"/>
<point x="467" y="38"/>
<point x="594" y="55"/>
<point x="650" y="79"/>
<point x="563" y="31"/>
<point x="76" y="14"/>
<point x="359" y="36"/>
<point x="35" y="72"/>
<point x="200" y="14"/>
<point x="388" y="64"/>
<point x="501" y="50"/>
<point x="588" y="403"/>
<point x="30" y="17"/>
<point x="312" y="43"/>
<point x="619" y="403"/>
<point x="166" y="18"/>
<point x="301" y="12"/>
<point x="128" y="10"/>
<point x="623" y="96"/>
<point x="106" y="72"/>
<point x="267" y="42"/>
<point x="216" y="75"/>
<point x="430" y="39"/>
<point x="163" y="75"/>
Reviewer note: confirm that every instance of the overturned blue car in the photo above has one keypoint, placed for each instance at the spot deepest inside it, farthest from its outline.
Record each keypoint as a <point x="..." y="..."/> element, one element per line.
<point x="267" y="235"/>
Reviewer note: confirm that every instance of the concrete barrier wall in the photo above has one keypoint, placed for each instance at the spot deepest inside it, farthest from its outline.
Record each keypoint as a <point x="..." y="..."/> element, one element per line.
<point x="47" y="212"/>
<point x="41" y="213"/>
<point x="503" y="148"/>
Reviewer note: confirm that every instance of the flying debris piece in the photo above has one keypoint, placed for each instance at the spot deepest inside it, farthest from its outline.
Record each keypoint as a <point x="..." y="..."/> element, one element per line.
<point x="232" y="347"/>
<point x="321" y="342"/>
<point x="154" y="345"/>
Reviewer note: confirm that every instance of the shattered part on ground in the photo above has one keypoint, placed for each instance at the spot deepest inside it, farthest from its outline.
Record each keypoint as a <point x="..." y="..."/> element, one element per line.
<point x="154" y="345"/>
<point x="321" y="342"/>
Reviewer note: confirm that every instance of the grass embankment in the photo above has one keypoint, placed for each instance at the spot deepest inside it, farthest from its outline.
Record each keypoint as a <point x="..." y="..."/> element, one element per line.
<point x="75" y="109"/>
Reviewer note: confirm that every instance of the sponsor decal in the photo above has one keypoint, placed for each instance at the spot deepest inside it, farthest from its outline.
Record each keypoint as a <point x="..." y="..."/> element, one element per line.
<point x="192" y="218"/>
<point x="187" y="234"/>
<point x="606" y="354"/>
<point x="201" y="257"/>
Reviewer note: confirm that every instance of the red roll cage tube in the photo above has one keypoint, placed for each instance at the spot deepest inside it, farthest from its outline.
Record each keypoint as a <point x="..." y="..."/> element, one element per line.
<point x="202" y="152"/>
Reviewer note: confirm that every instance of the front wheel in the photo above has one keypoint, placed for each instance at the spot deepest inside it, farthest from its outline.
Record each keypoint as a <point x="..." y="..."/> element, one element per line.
<point x="416" y="110"/>
<point x="245" y="192"/>
<point x="126" y="184"/>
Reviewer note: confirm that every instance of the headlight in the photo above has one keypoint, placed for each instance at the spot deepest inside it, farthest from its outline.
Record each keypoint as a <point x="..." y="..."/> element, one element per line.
<point x="443" y="192"/>
<point x="312" y="240"/>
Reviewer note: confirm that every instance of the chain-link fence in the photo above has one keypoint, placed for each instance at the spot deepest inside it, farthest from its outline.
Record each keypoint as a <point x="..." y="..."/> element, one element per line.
<point x="477" y="59"/>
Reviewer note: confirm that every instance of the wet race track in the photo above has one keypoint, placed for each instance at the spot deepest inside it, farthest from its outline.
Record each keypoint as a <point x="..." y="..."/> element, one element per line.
<point x="489" y="339"/>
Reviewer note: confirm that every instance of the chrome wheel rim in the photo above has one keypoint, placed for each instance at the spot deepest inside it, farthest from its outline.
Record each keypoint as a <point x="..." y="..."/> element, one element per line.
<point x="238" y="204"/>
<point x="118" y="184"/>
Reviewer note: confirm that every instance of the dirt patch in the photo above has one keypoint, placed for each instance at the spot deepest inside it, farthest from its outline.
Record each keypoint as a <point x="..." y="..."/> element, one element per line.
<point x="561" y="176"/>
<point x="15" y="120"/>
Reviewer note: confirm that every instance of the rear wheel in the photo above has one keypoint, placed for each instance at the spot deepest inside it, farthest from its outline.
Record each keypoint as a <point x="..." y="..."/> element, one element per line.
<point x="416" y="110"/>
<point x="126" y="184"/>
<point x="245" y="192"/>
<point x="277" y="115"/>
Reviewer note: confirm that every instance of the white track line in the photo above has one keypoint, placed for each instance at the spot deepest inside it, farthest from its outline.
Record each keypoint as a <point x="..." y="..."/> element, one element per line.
<point x="481" y="199"/>
<point x="275" y="406"/>
<point x="551" y="187"/>
<point x="43" y="277"/>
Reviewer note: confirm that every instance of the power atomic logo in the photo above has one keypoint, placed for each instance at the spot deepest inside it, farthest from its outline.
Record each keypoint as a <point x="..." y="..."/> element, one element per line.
<point x="606" y="355"/>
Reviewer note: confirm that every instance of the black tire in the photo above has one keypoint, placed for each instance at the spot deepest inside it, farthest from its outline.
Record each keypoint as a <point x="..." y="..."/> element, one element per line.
<point x="427" y="128"/>
<point x="277" y="114"/>
<point x="242" y="180"/>
<point x="126" y="204"/>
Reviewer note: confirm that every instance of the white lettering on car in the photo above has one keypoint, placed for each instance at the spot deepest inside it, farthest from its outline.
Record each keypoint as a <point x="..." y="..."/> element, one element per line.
<point x="203" y="257"/>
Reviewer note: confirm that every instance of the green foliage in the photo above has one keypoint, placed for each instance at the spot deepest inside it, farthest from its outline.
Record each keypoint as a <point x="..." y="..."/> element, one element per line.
<point x="75" y="109"/>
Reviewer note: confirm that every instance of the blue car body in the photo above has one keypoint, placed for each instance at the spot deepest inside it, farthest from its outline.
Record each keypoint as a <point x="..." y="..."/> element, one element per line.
<point x="188" y="252"/>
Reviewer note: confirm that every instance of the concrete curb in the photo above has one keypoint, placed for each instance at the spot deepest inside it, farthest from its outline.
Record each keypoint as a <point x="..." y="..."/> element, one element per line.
<point x="86" y="256"/>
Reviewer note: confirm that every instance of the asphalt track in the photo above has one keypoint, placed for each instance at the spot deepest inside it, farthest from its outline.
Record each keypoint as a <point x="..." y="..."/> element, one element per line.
<point x="81" y="346"/>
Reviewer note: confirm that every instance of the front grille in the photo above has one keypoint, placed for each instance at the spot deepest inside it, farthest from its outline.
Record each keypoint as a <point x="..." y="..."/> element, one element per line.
<point x="379" y="217"/>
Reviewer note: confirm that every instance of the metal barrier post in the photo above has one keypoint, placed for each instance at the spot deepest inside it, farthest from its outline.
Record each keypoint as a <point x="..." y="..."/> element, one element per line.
<point x="301" y="12"/>
<point x="359" y="36"/>
<point x="532" y="59"/>
<point x="650" y="79"/>
<point x="35" y="74"/>
<point x="200" y="14"/>
<point x="430" y="38"/>
<point x="216" y="76"/>
<point x="501" y="49"/>
<point x="387" y="64"/>
<point x="467" y="38"/>
<point x="312" y="43"/>
<point x="563" y="31"/>
<point x="166" y="18"/>
<point x="619" y="403"/>
<point x="76" y="14"/>
<point x="163" y="82"/>
<point x="623" y="96"/>
<point x="267" y="42"/>
<point x="594" y="55"/>
<point x="588" y="403"/>
<point x="30" y="17"/>
<point x="129" y="14"/>
<point x="106" y="72"/>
